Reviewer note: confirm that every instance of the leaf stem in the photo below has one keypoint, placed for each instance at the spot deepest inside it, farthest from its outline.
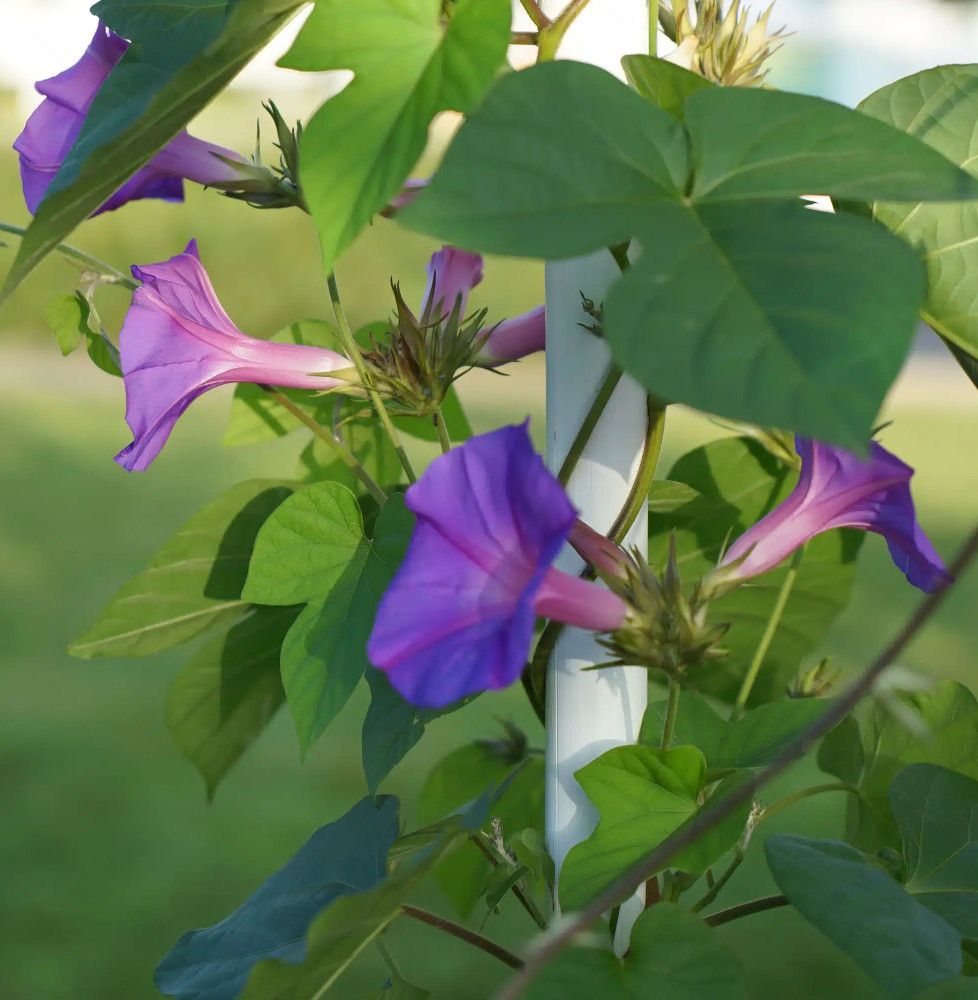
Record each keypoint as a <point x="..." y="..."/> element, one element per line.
<point x="710" y="816"/>
<point x="745" y="910"/>
<point x="389" y="959"/>
<point x="333" y="440"/>
<point x="80" y="257"/>
<point x="552" y="34"/>
<point x="714" y="890"/>
<point x="537" y="16"/>
<point x="672" y="710"/>
<point x="804" y="793"/>
<point x="777" y="612"/>
<point x="464" y="934"/>
<point x="443" y="439"/>
<point x="653" y="26"/>
<point x="524" y="37"/>
<point x="350" y="345"/>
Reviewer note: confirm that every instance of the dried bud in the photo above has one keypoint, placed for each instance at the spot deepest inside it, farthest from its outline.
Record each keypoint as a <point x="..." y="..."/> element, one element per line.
<point x="814" y="683"/>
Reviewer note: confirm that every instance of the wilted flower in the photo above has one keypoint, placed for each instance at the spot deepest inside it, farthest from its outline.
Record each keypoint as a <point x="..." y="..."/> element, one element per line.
<point x="177" y="342"/>
<point x="836" y="489"/>
<point x="52" y="129"/>
<point x="459" y="615"/>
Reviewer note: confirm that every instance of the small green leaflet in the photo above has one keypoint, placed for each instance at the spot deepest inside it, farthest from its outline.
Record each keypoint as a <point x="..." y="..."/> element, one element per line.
<point x="662" y="82"/>
<point x="221" y="701"/>
<point x="673" y="956"/>
<point x="156" y="89"/>
<point x="861" y="909"/>
<point x="940" y="107"/>
<point x="763" y="311"/>
<point x="407" y="68"/>
<point x="193" y="582"/>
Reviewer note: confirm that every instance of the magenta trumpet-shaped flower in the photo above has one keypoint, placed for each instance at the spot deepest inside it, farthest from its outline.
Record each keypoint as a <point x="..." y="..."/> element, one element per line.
<point x="459" y="615"/>
<point x="177" y="342"/>
<point x="836" y="489"/>
<point x="453" y="273"/>
<point x="52" y="129"/>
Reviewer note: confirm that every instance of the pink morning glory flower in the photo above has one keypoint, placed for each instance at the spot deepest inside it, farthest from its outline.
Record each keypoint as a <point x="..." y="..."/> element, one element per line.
<point x="459" y="615"/>
<point x="53" y="127"/>
<point x="177" y="342"/>
<point x="836" y="489"/>
<point x="453" y="273"/>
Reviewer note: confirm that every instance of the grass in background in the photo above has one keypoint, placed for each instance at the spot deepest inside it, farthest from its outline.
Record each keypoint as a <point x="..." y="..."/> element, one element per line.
<point x="108" y="850"/>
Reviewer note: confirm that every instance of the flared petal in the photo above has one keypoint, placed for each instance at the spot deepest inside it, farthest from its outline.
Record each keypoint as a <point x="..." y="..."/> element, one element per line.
<point x="458" y="616"/>
<point x="177" y="342"/>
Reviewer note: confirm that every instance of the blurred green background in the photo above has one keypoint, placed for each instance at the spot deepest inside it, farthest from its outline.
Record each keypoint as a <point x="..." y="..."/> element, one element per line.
<point x="108" y="850"/>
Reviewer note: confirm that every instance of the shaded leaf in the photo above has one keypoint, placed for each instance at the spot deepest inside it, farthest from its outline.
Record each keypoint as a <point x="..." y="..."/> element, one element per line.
<point x="662" y="82"/>
<point x="407" y="67"/>
<point x="341" y="859"/>
<point x="673" y="956"/>
<point x="902" y="945"/>
<point x="224" y="697"/>
<point x="193" y="582"/>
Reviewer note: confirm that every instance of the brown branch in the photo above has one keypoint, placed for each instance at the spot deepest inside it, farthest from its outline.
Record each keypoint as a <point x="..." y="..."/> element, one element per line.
<point x="537" y="16"/>
<point x="524" y="37"/>
<point x="464" y="934"/>
<point x="745" y="910"/>
<point x="709" y="817"/>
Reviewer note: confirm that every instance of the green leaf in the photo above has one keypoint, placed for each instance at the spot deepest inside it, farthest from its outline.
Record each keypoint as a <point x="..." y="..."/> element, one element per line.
<point x="257" y="416"/>
<point x="400" y="989"/>
<point x="736" y="482"/>
<point x="68" y="319"/>
<point x="224" y="697"/>
<point x="192" y="583"/>
<point x="664" y="83"/>
<point x="346" y="857"/>
<point x="939" y="107"/>
<point x="902" y="945"/>
<point x="808" y="145"/>
<point x="461" y="778"/>
<point x="368" y="441"/>
<point x="456" y="422"/>
<point x="325" y="653"/>
<point x="154" y="92"/>
<point x="673" y="956"/>
<point x="752" y="741"/>
<point x="841" y="751"/>
<point x="949" y="714"/>
<point x="339" y="934"/>
<point x="936" y="811"/>
<point x="407" y="68"/>
<point x="814" y="312"/>
<point x="312" y="544"/>
<point x="643" y="794"/>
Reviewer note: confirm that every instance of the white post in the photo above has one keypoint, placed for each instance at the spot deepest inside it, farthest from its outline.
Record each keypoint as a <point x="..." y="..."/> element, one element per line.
<point x="589" y="712"/>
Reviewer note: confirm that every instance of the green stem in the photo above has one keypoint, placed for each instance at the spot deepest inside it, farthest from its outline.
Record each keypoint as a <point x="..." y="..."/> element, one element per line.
<point x="537" y="16"/>
<point x="772" y="626"/>
<point x="790" y="800"/>
<point x="464" y="934"/>
<point x="333" y="440"/>
<point x="745" y="910"/>
<point x="80" y="257"/>
<point x="653" y="26"/>
<point x="353" y="351"/>
<point x="525" y="901"/>
<point x="552" y="34"/>
<point x="389" y="959"/>
<point x="714" y="890"/>
<point x="605" y="391"/>
<point x="672" y="710"/>
<point x="443" y="439"/>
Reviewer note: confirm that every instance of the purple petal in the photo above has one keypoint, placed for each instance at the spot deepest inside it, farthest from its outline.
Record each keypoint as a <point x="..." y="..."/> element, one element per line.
<point x="517" y="337"/>
<point x="451" y="273"/>
<point x="837" y="489"/>
<point x="177" y="342"/>
<point x="458" y="616"/>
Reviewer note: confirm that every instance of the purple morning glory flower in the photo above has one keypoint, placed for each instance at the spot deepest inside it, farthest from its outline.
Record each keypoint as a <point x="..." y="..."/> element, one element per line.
<point x="459" y="615"/>
<point x="453" y="273"/>
<point x="177" y="342"/>
<point x="836" y="489"/>
<point x="53" y="127"/>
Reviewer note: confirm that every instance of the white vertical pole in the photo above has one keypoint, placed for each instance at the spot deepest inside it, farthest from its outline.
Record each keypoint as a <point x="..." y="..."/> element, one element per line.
<point x="589" y="712"/>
